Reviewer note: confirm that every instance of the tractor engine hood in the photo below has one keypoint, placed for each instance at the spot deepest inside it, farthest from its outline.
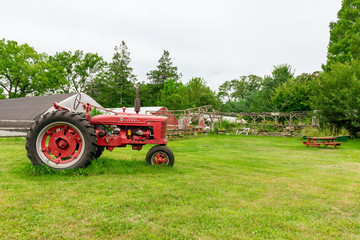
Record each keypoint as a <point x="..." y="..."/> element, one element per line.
<point x="127" y="119"/>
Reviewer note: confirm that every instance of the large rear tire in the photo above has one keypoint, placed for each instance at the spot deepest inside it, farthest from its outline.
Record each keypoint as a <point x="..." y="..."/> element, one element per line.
<point x="61" y="140"/>
<point x="160" y="155"/>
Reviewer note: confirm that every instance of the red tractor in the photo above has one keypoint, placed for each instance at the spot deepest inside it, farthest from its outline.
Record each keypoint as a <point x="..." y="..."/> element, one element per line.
<point x="64" y="139"/>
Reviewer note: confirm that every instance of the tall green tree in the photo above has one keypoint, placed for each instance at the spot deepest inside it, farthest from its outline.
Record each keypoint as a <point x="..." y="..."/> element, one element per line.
<point x="261" y="100"/>
<point x="235" y="106"/>
<point x="116" y="86"/>
<point x="24" y="72"/>
<point x="238" y="93"/>
<point x="121" y="74"/>
<point x="147" y="97"/>
<point x="337" y="95"/>
<point x="164" y="72"/>
<point x="344" y="42"/>
<point x="240" y="89"/>
<point x="77" y="68"/>
<point x="199" y="94"/>
<point x="279" y="75"/>
<point x="172" y="96"/>
<point x="226" y="90"/>
<point x="295" y="94"/>
<point x="248" y="85"/>
<point x="194" y="93"/>
<point x="99" y="90"/>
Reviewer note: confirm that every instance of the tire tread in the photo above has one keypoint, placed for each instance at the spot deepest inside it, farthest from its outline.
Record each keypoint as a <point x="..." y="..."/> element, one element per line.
<point x="74" y="118"/>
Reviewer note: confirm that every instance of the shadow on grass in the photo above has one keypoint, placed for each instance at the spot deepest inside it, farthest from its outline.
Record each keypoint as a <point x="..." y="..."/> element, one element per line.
<point x="99" y="166"/>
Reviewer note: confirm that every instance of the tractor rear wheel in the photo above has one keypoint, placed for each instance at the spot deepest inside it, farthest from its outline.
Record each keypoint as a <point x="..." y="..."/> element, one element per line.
<point x="160" y="155"/>
<point x="61" y="140"/>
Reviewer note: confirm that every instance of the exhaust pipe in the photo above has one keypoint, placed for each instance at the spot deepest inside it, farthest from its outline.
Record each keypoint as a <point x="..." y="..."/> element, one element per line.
<point x="137" y="101"/>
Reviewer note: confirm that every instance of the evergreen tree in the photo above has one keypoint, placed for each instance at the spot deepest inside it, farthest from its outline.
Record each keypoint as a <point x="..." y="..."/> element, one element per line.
<point x="344" y="43"/>
<point x="115" y="87"/>
<point x="164" y="72"/>
<point x="121" y="74"/>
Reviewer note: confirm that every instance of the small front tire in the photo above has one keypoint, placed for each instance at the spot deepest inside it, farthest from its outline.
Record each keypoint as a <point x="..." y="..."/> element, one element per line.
<point x="160" y="155"/>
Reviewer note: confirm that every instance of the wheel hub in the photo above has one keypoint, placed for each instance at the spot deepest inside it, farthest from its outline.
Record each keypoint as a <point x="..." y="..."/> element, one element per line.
<point x="64" y="143"/>
<point x="160" y="158"/>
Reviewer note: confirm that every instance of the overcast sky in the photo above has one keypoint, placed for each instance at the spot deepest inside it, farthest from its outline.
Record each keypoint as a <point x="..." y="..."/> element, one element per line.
<point x="216" y="40"/>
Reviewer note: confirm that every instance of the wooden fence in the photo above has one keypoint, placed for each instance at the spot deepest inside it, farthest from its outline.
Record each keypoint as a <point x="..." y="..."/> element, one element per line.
<point x="210" y="115"/>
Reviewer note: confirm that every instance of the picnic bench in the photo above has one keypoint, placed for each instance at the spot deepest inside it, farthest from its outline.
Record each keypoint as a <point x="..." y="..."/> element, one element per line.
<point x="317" y="141"/>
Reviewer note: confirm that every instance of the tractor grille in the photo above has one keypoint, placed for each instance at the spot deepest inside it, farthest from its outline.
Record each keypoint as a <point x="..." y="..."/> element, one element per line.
<point x="163" y="129"/>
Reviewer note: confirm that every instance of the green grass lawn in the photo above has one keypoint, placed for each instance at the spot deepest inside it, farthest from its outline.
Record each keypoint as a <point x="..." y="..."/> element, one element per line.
<point x="221" y="187"/>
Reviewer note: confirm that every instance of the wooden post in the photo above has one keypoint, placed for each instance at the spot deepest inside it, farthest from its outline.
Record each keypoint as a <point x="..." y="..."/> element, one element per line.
<point x="220" y="120"/>
<point x="264" y="119"/>
<point x="199" y="117"/>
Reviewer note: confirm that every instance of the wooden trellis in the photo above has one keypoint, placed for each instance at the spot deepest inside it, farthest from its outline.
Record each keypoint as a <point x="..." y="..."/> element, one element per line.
<point x="289" y="117"/>
<point x="208" y="113"/>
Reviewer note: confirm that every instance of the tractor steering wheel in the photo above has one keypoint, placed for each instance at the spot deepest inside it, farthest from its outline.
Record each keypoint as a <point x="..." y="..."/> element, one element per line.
<point x="77" y="101"/>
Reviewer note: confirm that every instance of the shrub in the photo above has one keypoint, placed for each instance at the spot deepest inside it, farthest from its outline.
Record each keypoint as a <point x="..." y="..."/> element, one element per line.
<point x="227" y="126"/>
<point x="338" y="96"/>
<point x="325" y="131"/>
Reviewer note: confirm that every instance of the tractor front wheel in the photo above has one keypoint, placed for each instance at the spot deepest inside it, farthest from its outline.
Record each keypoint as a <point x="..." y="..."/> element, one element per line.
<point x="61" y="140"/>
<point x="160" y="155"/>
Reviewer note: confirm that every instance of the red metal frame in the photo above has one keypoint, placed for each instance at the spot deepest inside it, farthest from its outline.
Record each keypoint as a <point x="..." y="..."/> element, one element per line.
<point x="148" y="124"/>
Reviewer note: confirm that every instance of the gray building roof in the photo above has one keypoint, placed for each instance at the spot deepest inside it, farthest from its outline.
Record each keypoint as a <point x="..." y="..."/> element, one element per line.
<point x="19" y="113"/>
<point x="28" y="108"/>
